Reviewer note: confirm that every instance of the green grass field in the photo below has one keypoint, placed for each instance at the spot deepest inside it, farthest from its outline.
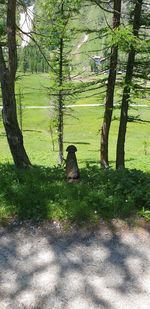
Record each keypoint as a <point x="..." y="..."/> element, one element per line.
<point x="42" y="193"/>
<point x="81" y="127"/>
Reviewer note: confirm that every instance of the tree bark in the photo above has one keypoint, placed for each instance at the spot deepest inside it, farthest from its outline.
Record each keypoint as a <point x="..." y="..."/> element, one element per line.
<point x="120" y="156"/>
<point x="7" y="79"/>
<point x="60" y="98"/>
<point x="110" y="91"/>
<point x="60" y="106"/>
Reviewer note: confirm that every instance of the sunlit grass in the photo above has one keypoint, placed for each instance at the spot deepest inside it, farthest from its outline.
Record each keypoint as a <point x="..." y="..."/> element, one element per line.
<point x="81" y="127"/>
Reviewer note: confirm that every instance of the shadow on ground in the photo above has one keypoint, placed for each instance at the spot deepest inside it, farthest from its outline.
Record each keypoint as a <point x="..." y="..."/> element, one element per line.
<point x="43" y="193"/>
<point x="77" y="143"/>
<point x="42" y="269"/>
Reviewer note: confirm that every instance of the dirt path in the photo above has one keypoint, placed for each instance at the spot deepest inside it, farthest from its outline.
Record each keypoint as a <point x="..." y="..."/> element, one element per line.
<point x="83" y="40"/>
<point x="79" y="105"/>
<point x="42" y="269"/>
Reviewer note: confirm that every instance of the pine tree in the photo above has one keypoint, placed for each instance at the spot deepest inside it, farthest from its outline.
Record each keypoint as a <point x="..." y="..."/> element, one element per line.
<point x="56" y="34"/>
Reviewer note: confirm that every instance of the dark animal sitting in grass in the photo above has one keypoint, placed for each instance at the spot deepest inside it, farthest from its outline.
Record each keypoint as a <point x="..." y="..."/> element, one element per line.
<point x="72" y="169"/>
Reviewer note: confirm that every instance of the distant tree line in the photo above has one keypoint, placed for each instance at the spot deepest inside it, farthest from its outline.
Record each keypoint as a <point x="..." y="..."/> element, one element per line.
<point x="31" y="60"/>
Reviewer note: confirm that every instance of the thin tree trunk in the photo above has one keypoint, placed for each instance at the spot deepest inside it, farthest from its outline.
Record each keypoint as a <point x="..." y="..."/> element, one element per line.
<point x="60" y="100"/>
<point x="120" y="156"/>
<point x="60" y="130"/>
<point x="110" y="91"/>
<point x="7" y="78"/>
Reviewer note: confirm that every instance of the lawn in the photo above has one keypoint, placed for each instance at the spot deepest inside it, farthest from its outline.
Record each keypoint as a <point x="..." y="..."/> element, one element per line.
<point x="42" y="192"/>
<point x="82" y="129"/>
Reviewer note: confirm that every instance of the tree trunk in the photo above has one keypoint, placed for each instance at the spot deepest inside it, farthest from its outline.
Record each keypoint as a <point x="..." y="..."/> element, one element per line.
<point x="7" y="78"/>
<point x="60" y="102"/>
<point x="60" y="129"/>
<point x="120" y="157"/>
<point x="110" y="91"/>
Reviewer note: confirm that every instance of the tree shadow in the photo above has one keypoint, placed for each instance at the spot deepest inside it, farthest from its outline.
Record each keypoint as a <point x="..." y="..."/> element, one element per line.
<point x="88" y="162"/>
<point x="40" y="268"/>
<point x="97" y="162"/>
<point x="126" y="160"/>
<point x="41" y="193"/>
<point x="3" y="134"/>
<point x="77" y="143"/>
<point x="30" y="130"/>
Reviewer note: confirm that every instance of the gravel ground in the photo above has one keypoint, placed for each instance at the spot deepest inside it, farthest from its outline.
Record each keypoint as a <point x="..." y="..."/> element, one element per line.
<point x="42" y="267"/>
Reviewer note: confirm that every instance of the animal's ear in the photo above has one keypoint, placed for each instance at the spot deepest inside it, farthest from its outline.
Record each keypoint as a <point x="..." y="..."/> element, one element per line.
<point x="71" y="148"/>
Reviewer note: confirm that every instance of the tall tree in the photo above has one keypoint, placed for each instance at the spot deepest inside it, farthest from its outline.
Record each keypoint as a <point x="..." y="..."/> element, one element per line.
<point x="8" y="67"/>
<point x="120" y="157"/>
<point x="57" y="33"/>
<point x="110" y="90"/>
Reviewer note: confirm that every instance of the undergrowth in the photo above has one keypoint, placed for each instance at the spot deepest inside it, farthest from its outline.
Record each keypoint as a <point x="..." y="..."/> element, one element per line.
<point x="42" y="193"/>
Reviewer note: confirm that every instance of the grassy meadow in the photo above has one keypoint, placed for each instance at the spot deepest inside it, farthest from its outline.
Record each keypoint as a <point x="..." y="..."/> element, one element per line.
<point x="81" y="127"/>
<point x="42" y="193"/>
